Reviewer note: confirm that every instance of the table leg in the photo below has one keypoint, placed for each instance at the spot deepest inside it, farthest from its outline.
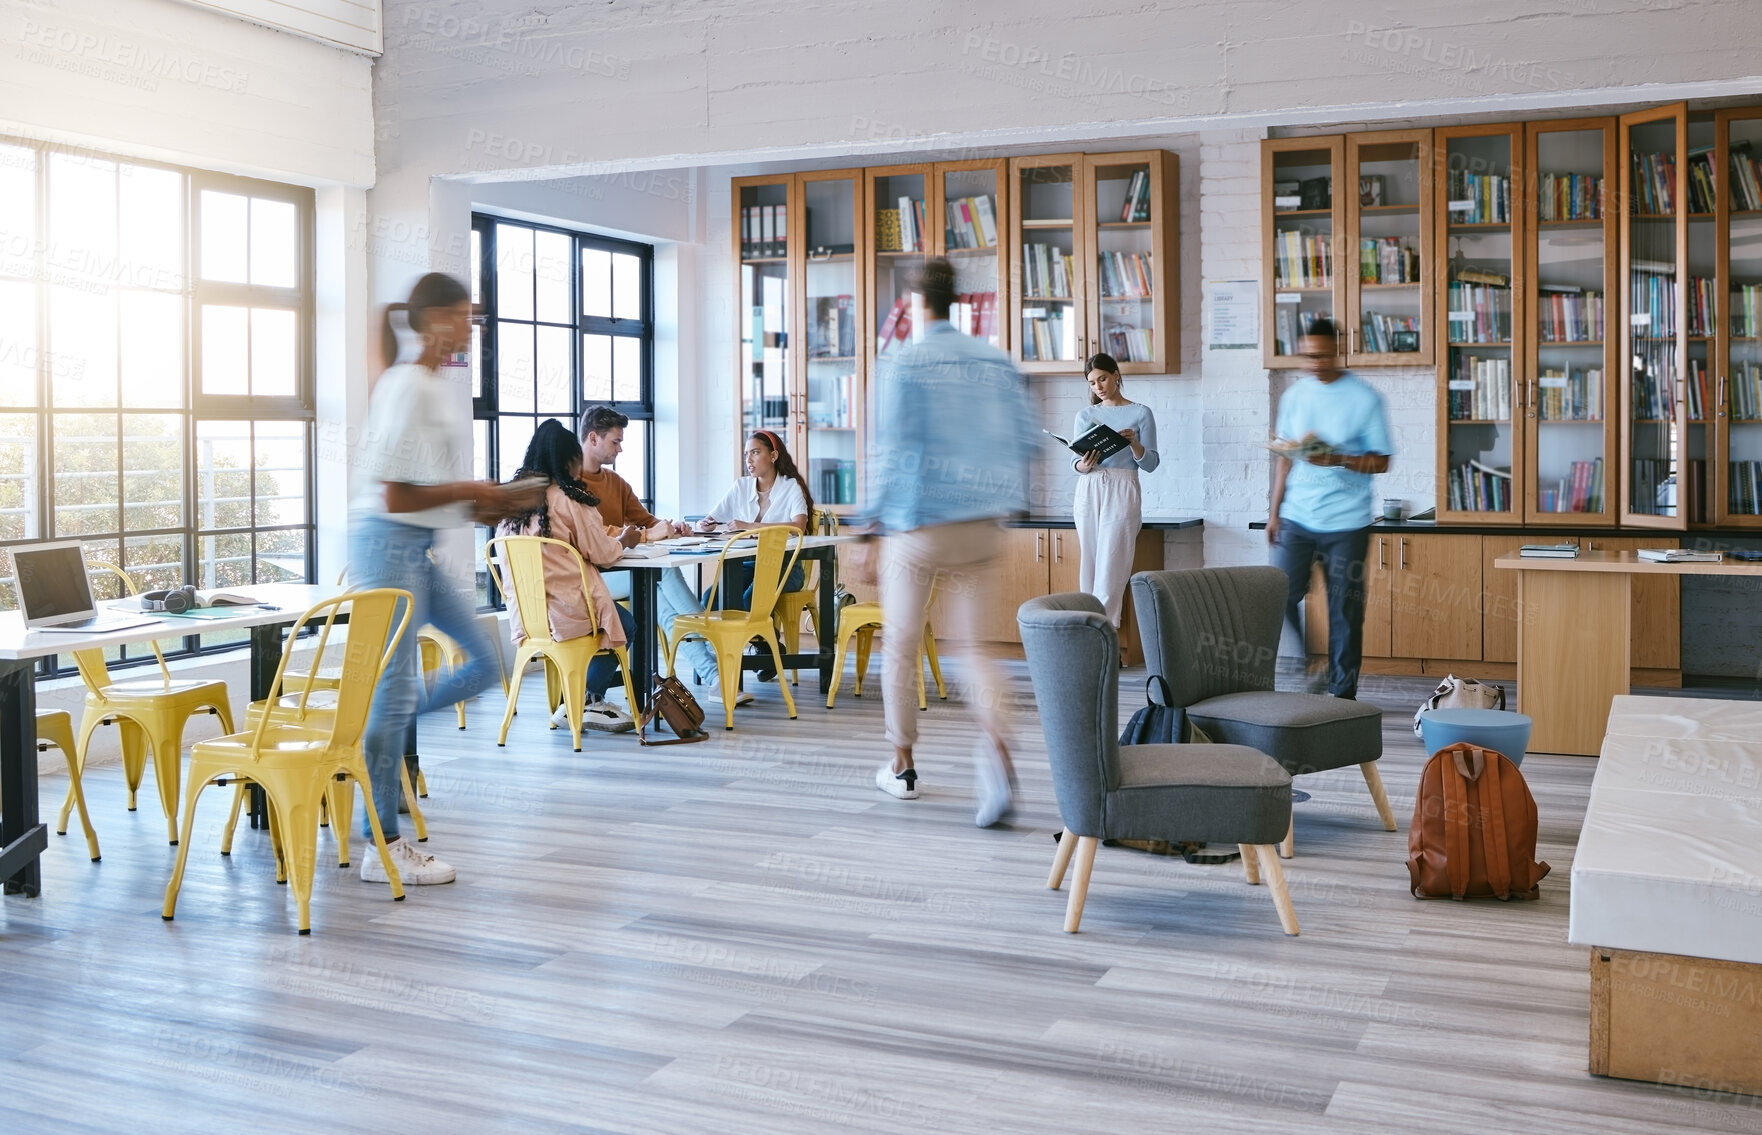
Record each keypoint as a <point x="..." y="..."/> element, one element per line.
<point x="644" y="608"/>
<point x="828" y="615"/>
<point x="22" y="837"/>
<point x="265" y="661"/>
<point x="1574" y="645"/>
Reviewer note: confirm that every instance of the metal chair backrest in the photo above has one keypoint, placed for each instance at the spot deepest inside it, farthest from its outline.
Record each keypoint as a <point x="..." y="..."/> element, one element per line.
<point x="525" y="588"/>
<point x="93" y="670"/>
<point x="779" y="546"/>
<point x="377" y="620"/>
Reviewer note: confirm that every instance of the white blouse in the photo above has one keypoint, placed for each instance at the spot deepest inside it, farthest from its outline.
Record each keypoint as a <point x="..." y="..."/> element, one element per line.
<point x="742" y="502"/>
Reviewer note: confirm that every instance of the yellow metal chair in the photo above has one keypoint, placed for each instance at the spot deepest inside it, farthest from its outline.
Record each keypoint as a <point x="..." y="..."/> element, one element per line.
<point x="792" y="605"/>
<point x="297" y="758"/>
<point x="525" y="588"/>
<point x="150" y="714"/>
<point x="55" y="727"/>
<point x="860" y="621"/>
<point x="777" y="549"/>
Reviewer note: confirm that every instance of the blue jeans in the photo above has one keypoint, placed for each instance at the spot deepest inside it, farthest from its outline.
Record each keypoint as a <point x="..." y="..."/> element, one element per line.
<point x="677" y="598"/>
<point x="1341" y="555"/>
<point x="384" y="553"/>
<point x="602" y="672"/>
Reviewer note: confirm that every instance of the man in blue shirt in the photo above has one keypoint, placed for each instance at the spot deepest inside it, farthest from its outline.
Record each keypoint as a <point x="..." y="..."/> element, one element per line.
<point x="952" y="445"/>
<point x="1321" y="506"/>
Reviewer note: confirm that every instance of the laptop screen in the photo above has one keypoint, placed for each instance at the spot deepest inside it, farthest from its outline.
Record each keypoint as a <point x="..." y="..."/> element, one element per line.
<point x="52" y="581"/>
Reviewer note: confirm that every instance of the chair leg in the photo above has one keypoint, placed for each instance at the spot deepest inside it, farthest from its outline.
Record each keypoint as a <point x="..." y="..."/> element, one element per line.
<point x="520" y="661"/>
<point x="1250" y="864"/>
<point x="777" y="661"/>
<point x="1373" y="780"/>
<point x="1288" y="845"/>
<point x="410" y="799"/>
<point x="865" y="645"/>
<point x="421" y="784"/>
<point x="133" y="741"/>
<point x="935" y="664"/>
<point x="1275" y="882"/>
<point x="1061" y="859"/>
<point x="183" y="847"/>
<point x="232" y="821"/>
<point x="1079" y="881"/>
<point x="167" y="771"/>
<point x="574" y="701"/>
<point x="844" y="634"/>
<point x="358" y="774"/>
<point x="62" y="738"/>
<point x="300" y="834"/>
<point x="339" y="800"/>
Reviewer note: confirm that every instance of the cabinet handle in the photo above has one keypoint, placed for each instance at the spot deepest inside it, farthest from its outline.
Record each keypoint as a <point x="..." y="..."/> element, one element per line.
<point x="1722" y="396"/>
<point x="1401" y="553"/>
<point x="1039" y="547"/>
<point x="1058" y="547"/>
<point x="1382" y="563"/>
<point x="1590" y="545"/>
<point x="1530" y="407"/>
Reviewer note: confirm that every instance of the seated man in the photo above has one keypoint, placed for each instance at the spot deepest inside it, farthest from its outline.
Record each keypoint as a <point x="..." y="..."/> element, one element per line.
<point x="602" y="440"/>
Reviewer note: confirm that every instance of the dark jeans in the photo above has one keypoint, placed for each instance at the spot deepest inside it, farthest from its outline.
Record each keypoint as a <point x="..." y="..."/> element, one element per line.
<point x="602" y="672"/>
<point x="1341" y="555"/>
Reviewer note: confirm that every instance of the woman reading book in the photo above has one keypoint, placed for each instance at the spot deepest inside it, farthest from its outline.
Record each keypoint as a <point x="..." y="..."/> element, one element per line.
<point x="571" y="514"/>
<point x="1109" y="504"/>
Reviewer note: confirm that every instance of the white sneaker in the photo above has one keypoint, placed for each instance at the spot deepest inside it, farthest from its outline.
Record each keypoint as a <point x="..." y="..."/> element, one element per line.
<point x="607" y="718"/>
<point x="990" y="784"/>
<point x="560" y="718"/>
<point x="741" y="697"/>
<point x="900" y="785"/>
<point x="415" y="868"/>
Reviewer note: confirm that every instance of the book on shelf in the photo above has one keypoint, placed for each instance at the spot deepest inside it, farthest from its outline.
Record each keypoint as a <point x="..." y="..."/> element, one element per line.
<point x="1317" y="193"/>
<point x="1388" y="260"/>
<point x="1746" y="392"/>
<point x="1479" y="307"/>
<point x="1381" y="332"/>
<point x="974" y="313"/>
<point x="971" y="223"/>
<point x="1479" y="388"/>
<point x="896" y="328"/>
<point x="1677" y="556"/>
<point x="1131" y="344"/>
<point x="1567" y="313"/>
<point x="1746" y="311"/>
<point x="1477" y="487"/>
<point x="1571" y="394"/>
<point x="832" y="328"/>
<point x="1478" y="198"/>
<point x="1701" y="180"/>
<point x="1581" y="490"/>
<point x="1744" y="488"/>
<point x="1569" y="197"/>
<point x="1302" y="260"/>
<point x="1125" y="275"/>
<point x="889" y="236"/>
<point x="1548" y="551"/>
<point x="1652" y="186"/>
<point x="1746" y="178"/>
<point x="1290" y="324"/>
<point x="1047" y="272"/>
<point x="1049" y="333"/>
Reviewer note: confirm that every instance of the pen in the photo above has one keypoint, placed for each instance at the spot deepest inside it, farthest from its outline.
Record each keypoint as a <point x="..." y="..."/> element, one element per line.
<point x="267" y="607"/>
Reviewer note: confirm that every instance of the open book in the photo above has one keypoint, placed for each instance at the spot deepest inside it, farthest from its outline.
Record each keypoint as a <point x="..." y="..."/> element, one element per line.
<point x="1302" y="449"/>
<point x="1100" y="440"/>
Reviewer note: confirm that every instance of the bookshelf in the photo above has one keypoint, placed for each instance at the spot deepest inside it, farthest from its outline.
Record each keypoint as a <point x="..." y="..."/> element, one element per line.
<point x="1736" y="491"/>
<point x="765" y="213"/>
<point x="1480" y="307"/>
<point x="1049" y="265"/>
<point x="1133" y="296"/>
<point x="830" y="391"/>
<point x="968" y="200"/>
<point x="1570" y="343"/>
<point x="1300" y="214"/>
<point x="900" y="238"/>
<point x="1388" y="227"/>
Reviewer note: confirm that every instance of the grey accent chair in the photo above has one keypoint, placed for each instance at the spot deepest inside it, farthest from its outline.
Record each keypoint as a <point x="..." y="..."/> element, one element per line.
<point x="1216" y="793"/>
<point x="1213" y="634"/>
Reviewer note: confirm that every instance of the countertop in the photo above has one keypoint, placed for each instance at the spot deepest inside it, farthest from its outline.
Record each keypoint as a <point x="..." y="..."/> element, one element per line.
<point x="1528" y="533"/>
<point x="1164" y="523"/>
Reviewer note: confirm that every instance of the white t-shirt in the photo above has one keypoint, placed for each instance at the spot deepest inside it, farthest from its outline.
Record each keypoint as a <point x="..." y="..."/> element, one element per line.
<point x="742" y="502"/>
<point x="417" y="433"/>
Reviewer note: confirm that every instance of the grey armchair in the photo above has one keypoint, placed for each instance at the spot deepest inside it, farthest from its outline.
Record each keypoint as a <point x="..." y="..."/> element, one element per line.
<point x="1216" y="793"/>
<point x="1213" y="634"/>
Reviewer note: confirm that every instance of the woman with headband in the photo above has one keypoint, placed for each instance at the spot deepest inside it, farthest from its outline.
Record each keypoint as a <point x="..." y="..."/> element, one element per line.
<point x="772" y="492"/>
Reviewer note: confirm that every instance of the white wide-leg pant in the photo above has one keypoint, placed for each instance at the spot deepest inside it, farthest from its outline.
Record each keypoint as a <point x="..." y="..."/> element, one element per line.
<point x="1109" y="512"/>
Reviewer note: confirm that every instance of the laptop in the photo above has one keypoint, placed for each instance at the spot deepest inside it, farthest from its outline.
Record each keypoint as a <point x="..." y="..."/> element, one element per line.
<point x="55" y="593"/>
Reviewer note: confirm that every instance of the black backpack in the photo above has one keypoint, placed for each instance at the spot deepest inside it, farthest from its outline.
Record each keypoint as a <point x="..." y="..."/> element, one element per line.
<point x="1158" y="723"/>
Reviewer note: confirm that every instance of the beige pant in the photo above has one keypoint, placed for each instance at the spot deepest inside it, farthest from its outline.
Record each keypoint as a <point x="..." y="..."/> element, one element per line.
<point x="966" y="555"/>
<point x="1109" y="511"/>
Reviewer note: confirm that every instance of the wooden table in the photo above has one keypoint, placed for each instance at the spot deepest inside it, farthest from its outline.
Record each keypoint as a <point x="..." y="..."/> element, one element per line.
<point x="22" y="836"/>
<point x="1574" y="642"/>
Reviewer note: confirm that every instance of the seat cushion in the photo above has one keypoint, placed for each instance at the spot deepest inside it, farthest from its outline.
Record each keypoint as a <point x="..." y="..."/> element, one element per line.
<point x="1215" y="793"/>
<point x="1303" y="732"/>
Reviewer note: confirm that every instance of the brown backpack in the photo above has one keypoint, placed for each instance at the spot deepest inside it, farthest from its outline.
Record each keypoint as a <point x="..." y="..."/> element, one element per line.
<point x="1474" y="828"/>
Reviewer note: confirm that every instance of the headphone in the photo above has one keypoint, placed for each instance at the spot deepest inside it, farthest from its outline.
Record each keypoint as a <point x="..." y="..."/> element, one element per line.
<point x="172" y="602"/>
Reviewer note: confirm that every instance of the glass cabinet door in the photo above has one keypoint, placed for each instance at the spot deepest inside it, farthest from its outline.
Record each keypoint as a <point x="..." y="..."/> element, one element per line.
<point x="901" y="239"/>
<point x="1389" y="203"/>
<point x="1127" y="202"/>
<point x="827" y="446"/>
<point x="1300" y="207"/>
<point x="1481" y="224"/>
<point x="1568" y="419"/>
<point x="1661" y="485"/>
<point x="761" y="234"/>
<point x="972" y="234"/>
<point x="1048" y="265"/>
<point x="1739" y="400"/>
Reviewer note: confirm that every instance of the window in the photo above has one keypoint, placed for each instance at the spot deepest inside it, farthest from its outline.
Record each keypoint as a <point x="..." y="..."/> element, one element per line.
<point x="155" y="370"/>
<point x="566" y="322"/>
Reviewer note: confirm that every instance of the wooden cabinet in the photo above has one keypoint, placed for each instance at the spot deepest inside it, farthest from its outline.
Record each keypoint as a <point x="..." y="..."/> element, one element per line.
<point x="1657" y="604"/>
<point x="1046" y="561"/>
<point x="1737" y="426"/>
<point x="1300" y="250"/>
<point x="1133" y="299"/>
<point x="1434" y="595"/>
<point x="1500" y="612"/>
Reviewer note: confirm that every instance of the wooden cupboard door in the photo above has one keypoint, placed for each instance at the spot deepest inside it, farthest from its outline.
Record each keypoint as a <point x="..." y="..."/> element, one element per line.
<point x="1436" y="593"/>
<point x="1499" y="609"/>
<point x="1065" y="560"/>
<point x="1657" y="604"/>
<point x="1024" y="574"/>
<point x="1379" y="572"/>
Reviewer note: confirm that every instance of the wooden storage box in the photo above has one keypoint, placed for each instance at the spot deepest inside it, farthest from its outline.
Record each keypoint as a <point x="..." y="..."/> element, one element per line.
<point x="1693" y="1023"/>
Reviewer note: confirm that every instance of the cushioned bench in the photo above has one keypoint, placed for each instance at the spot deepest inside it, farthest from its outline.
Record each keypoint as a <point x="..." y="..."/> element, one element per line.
<point x="1667" y="893"/>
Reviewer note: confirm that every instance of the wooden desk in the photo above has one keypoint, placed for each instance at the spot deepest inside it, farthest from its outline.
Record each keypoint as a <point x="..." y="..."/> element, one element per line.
<point x="1574" y="639"/>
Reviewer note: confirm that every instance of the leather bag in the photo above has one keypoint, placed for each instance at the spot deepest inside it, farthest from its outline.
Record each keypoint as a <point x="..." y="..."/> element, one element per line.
<point x="1461" y="693"/>
<point x="671" y="705"/>
<point x="1474" y="829"/>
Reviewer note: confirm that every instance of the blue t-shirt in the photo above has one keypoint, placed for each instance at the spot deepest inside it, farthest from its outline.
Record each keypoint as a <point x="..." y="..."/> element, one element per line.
<point x="1348" y="414"/>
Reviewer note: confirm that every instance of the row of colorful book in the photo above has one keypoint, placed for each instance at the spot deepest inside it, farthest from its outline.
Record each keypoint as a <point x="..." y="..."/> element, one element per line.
<point x="834" y="480"/>
<point x="832" y="327"/>
<point x="1581" y="490"/>
<point x="1130" y="344"/>
<point x="1290" y="324"/>
<point x="896" y="327"/>
<point x="971" y="223"/>
<point x="1479" y="488"/>
<point x="1570" y="394"/>
<point x="1302" y="260"/>
<point x="1137" y="204"/>
<point x="833" y="410"/>
<point x="1047" y="271"/>
<point x="1479" y="389"/>
<point x="1387" y="260"/>
<point x="900" y="228"/>
<point x="1654" y="386"/>
<point x="764" y="231"/>
<point x="1654" y="303"/>
<point x="1379" y="330"/>
<point x="1746" y="311"/>
<point x="1125" y="275"/>
<point x="1566" y="313"/>
<point x="975" y="314"/>
<point x="1048" y="333"/>
<point x="1746" y="179"/>
<point x="1480" y="308"/>
<point x="1653" y="487"/>
<point x="1653" y="184"/>
<point x="1569" y="197"/>
<point x="1746" y="392"/>
<point x="1478" y="198"/>
<point x="1743" y="488"/>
